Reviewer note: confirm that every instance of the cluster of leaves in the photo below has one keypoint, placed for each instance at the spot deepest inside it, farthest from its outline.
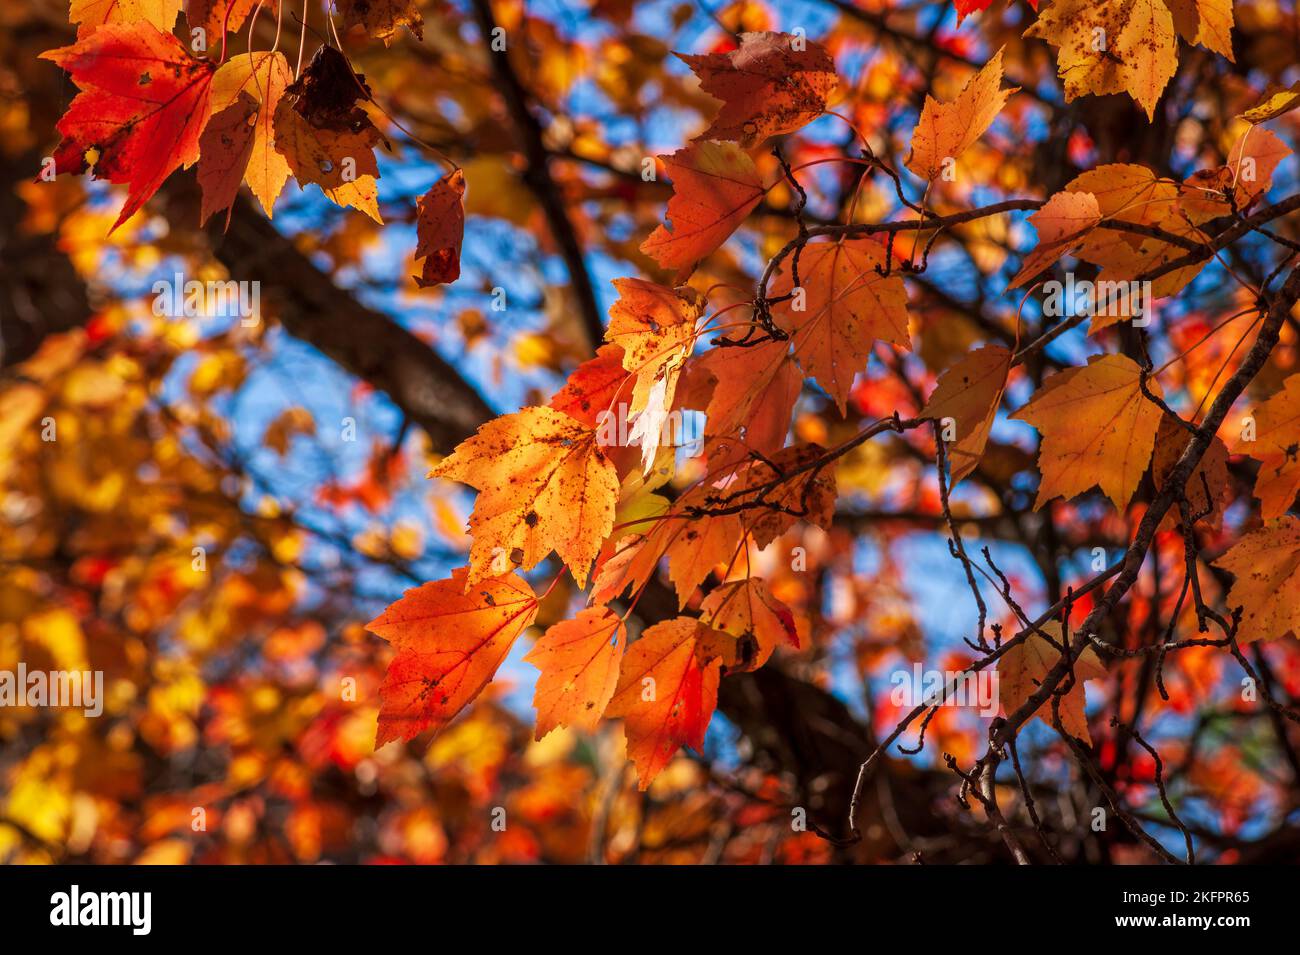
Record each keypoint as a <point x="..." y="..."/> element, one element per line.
<point x="149" y="106"/>
<point x="830" y="303"/>
<point x="547" y="483"/>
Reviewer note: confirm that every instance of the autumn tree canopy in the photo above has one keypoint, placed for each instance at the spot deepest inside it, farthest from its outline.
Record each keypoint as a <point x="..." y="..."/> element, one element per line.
<point x="496" y="431"/>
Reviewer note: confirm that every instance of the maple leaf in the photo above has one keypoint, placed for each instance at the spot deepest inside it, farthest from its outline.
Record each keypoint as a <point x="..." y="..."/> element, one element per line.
<point x="771" y="84"/>
<point x="715" y="187"/>
<point x="264" y="77"/>
<point x="1210" y="472"/>
<point x="1097" y="428"/>
<point x="440" y="230"/>
<point x="966" y="7"/>
<point x="616" y="566"/>
<point x="696" y="546"/>
<point x="382" y="19"/>
<point x="217" y="17"/>
<point x="969" y="393"/>
<point x="579" y="660"/>
<point x="667" y="691"/>
<point x="845" y="308"/>
<point x="749" y="611"/>
<point x="1022" y="668"/>
<point x="655" y="328"/>
<point x="593" y="386"/>
<point x="946" y="130"/>
<point x="1136" y="50"/>
<point x="1128" y="192"/>
<point x="90" y="14"/>
<point x="1247" y="176"/>
<point x="1266" y="563"/>
<point x="1207" y="22"/>
<point x="449" y="643"/>
<point x="325" y="137"/>
<point x="1132" y="193"/>
<point x="754" y="393"/>
<point x="142" y="109"/>
<point x="1275" y="104"/>
<point x="224" y="149"/>
<point x="1062" y="223"/>
<point x="1275" y="444"/>
<point x="543" y="484"/>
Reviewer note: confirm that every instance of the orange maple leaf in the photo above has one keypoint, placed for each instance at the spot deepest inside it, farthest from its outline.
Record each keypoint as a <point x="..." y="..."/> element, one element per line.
<point x="325" y="137"/>
<point x="715" y="187"/>
<point x="579" y="660"/>
<point x="1022" y="668"/>
<point x="1210" y="472"/>
<point x="1063" y="222"/>
<point x="655" y="327"/>
<point x="969" y="393"/>
<point x="748" y="610"/>
<point x="1097" y="428"/>
<point x="264" y="77"/>
<point x="225" y="148"/>
<point x="1275" y="444"/>
<point x="544" y="484"/>
<point x="215" y="17"/>
<point x="450" y="641"/>
<point x="754" y="394"/>
<point x="1140" y="55"/>
<point x="846" y="306"/>
<point x="946" y="130"/>
<point x="88" y="15"/>
<point x="1266" y="563"/>
<point x="667" y="691"/>
<point x="593" y="386"/>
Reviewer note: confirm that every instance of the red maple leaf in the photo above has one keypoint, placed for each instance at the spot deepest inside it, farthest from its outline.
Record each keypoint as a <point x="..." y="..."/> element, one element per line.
<point x="143" y="105"/>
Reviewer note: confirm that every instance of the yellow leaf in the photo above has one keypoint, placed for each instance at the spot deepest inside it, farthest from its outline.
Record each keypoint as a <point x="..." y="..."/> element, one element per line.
<point x="946" y="130"/>
<point x="1266" y="564"/>
<point x="1274" y="446"/>
<point x="544" y="485"/>
<point x="1111" y="46"/>
<point x="1207" y="22"/>
<point x="264" y="77"/>
<point x="1274" y="105"/>
<point x="89" y="14"/>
